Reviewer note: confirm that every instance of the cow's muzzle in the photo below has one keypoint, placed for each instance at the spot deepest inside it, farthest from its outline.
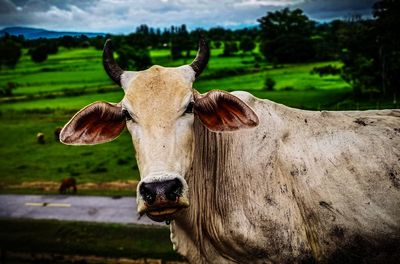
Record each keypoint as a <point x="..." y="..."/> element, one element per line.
<point x="162" y="200"/>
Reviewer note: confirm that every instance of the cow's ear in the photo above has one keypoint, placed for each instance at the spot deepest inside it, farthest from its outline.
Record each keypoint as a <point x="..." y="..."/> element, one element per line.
<point x="222" y="111"/>
<point x="96" y="123"/>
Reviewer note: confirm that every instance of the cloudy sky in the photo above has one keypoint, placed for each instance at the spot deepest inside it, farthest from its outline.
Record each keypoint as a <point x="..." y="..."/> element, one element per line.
<point x="119" y="16"/>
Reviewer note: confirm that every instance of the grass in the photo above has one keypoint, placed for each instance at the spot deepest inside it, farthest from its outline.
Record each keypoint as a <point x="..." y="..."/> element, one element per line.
<point x="23" y="157"/>
<point x="66" y="103"/>
<point x="311" y="100"/>
<point x="295" y="77"/>
<point x="46" y="100"/>
<point x="82" y="238"/>
<point x="68" y="69"/>
<point x="82" y="69"/>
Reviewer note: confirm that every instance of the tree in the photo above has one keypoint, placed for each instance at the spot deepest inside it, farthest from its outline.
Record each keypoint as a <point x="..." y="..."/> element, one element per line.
<point x="371" y="51"/>
<point x="52" y="47"/>
<point x="10" y="52"/>
<point x="220" y="33"/>
<point x="387" y="16"/>
<point x="269" y="84"/>
<point x="180" y="42"/>
<point x="39" y="53"/>
<point x="97" y="42"/>
<point x="327" y="40"/>
<point x="286" y="36"/>
<point x="230" y="47"/>
<point x="133" y="58"/>
<point x="68" y="41"/>
<point x="247" y="44"/>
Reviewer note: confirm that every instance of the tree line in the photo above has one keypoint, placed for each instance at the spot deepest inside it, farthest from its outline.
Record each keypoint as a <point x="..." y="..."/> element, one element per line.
<point x="368" y="48"/>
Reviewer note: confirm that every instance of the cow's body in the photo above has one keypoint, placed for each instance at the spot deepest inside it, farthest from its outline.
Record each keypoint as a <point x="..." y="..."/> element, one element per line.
<point x="302" y="186"/>
<point x="68" y="184"/>
<point x="248" y="180"/>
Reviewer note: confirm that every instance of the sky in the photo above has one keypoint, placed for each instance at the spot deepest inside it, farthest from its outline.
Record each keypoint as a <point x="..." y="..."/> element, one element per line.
<point x="119" y="16"/>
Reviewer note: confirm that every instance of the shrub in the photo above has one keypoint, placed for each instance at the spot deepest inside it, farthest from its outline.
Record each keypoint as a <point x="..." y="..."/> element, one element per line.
<point x="7" y="90"/>
<point x="325" y="70"/>
<point x="288" y="88"/>
<point x="134" y="58"/>
<point x="269" y="84"/>
<point x="217" y="44"/>
<point x="39" y="53"/>
<point x="247" y="44"/>
<point x="10" y="53"/>
<point x="230" y="47"/>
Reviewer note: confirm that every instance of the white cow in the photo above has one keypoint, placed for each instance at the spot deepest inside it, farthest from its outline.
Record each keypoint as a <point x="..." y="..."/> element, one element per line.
<point x="245" y="180"/>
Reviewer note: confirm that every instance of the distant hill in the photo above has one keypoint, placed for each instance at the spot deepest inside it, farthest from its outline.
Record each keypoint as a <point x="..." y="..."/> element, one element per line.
<point x="35" y="33"/>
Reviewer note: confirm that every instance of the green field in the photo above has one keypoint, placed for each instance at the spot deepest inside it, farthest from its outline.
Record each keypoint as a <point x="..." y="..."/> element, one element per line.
<point x="65" y="238"/>
<point x="47" y="94"/>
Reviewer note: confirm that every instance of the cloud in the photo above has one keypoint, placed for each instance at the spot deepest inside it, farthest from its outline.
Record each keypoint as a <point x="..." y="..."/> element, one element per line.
<point x="269" y="3"/>
<point x="7" y="7"/>
<point x="120" y="16"/>
<point x="336" y="8"/>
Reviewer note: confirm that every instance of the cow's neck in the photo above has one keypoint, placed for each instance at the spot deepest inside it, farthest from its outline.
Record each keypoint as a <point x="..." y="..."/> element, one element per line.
<point x="225" y="190"/>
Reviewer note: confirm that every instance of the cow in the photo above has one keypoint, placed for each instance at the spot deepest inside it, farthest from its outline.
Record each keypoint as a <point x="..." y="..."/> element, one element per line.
<point x="246" y="180"/>
<point x="40" y="138"/>
<point x="67" y="184"/>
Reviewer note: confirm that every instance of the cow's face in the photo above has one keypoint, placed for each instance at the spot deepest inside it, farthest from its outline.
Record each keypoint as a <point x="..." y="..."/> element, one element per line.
<point x="158" y="109"/>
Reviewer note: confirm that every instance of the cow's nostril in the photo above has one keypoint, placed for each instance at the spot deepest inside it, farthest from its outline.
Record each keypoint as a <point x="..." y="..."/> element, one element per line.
<point x="148" y="196"/>
<point x="174" y="190"/>
<point x="171" y="196"/>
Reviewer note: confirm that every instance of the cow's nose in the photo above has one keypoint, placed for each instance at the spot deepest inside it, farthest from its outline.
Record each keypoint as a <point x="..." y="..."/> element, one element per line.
<point x="163" y="190"/>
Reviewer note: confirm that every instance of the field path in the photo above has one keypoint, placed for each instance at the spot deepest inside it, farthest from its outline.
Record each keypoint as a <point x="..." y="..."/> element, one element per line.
<point x="72" y="207"/>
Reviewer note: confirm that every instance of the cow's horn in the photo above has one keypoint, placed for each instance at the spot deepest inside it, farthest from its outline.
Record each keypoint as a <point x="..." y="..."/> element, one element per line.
<point x="110" y="65"/>
<point x="201" y="60"/>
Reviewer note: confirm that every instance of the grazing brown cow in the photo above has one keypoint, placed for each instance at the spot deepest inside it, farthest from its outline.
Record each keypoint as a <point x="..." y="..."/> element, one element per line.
<point x="246" y="180"/>
<point x="67" y="184"/>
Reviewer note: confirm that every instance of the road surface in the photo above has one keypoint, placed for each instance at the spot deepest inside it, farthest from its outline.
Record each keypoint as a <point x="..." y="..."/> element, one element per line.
<point x="72" y="207"/>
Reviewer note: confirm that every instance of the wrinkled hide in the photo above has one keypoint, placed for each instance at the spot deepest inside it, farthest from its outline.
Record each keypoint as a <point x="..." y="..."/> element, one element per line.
<point x="246" y="180"/>
<point x="303" y="186"/>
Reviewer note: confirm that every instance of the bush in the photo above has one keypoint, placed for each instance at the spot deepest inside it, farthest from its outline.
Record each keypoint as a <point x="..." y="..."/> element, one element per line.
<point x="269" y="84"/>
<point x="39" y="53"/>
<point x="217" y="44"/>
<point x="288" y="88"/>
<point x="325" y="70"/>
<point x="10" y="53"/>
<point x="288" y="49"/>
<point x="247" y="44"/>
<point x="52" y="48"/>
<point x="7" y="89"/>
<point x="133" y="58"/>
<point x="85" y="44"/>
<point x="230" y="47"/>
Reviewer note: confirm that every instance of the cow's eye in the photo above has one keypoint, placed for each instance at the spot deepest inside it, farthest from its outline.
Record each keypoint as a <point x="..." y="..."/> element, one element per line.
<point x="126" y="114"/>
<point x="189" y="108"/>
